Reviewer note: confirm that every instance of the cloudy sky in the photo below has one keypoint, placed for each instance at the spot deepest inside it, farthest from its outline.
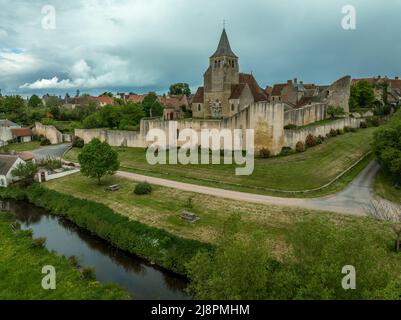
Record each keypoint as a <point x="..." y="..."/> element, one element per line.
<point x="142" y="45"/>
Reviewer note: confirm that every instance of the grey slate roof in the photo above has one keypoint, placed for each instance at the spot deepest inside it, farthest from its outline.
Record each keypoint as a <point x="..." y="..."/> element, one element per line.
<point x="224" y="48"/>
<point x="8" y="123"/>
<point x="6" y="162"/>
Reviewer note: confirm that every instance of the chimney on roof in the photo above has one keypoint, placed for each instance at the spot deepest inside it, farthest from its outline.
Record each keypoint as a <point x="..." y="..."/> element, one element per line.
<point x="289" y="81"/>
<point x="397" y="78"/>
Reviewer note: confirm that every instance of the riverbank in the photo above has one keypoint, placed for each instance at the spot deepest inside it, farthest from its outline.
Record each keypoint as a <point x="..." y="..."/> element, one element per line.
<point x="158" y="246"/>
<point x="21" y="264"/>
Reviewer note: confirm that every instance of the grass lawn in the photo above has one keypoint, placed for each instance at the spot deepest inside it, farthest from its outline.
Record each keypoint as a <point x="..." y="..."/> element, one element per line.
<point x="26" y="146"/>
<point x="384" y="187"/>
<point x="21" y="277"/>
<point x="163" y="207"/>
<point x="309" y="170"/>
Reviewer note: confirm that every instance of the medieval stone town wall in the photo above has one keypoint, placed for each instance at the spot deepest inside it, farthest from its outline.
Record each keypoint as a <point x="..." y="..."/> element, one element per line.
<point x="306" y="115"/>
<point x="293" y="136"/>
<point x="51" y="133"/>
<point x="267" y="119"/>
<point x="131" y="139"/>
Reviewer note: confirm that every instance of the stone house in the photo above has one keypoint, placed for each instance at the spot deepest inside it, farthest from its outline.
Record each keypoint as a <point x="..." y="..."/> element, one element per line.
<point x="7" y="164"/>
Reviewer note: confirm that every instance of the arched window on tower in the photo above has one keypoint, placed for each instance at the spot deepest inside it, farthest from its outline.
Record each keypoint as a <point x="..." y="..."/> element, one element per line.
<point x="232" y="107"/>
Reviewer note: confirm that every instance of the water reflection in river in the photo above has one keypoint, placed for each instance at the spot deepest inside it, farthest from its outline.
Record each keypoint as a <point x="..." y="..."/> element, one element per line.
<point x="139" y="278"/>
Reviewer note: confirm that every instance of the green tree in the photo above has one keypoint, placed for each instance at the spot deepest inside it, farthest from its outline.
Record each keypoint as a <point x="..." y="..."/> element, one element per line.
<point x="151" y="106"/>
<point x="34" y="101"/>
<point x="98" y="159"/>
<point x="322" y="248"/>
<point x="362" y="95"/>
<point x="25" y="172"/>
<point x="387" y="147"/>
<point x="334" y="112"/>
<point x="235" y="271"/>
<point x="107" y="94"/>
<point x="180" y="89"/>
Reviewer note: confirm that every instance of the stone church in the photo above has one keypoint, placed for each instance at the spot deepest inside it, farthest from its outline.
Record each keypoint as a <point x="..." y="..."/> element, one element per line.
<point x="226" y="91"/>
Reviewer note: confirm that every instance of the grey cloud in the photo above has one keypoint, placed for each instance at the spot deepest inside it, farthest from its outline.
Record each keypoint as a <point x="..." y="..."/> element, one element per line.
<point x="148" y="44"/>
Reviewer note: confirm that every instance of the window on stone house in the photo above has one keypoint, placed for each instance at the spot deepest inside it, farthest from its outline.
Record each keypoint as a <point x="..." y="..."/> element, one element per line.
<point x="232" y="107"/>
<point x="219" y="63"/>
<point x="199" y="107"/>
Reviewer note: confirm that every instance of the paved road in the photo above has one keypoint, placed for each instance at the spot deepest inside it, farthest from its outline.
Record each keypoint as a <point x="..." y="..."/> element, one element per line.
<point x="353" y="200"/>
<point x="56" y="151"/>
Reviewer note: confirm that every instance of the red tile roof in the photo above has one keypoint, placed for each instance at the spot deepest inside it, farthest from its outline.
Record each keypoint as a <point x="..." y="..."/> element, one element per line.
<point x="257" y="92"/>
<point x="277" y="88"/>
<point x="236" y="90"/>
<point x="104" y="100"/>
<point x="136" y="98"/>
<point x="21" y="132"/>
<point x="173" y="101"/>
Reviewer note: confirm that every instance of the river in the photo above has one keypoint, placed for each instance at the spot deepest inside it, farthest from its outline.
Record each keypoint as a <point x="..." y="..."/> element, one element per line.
<point x="142" y="280"/>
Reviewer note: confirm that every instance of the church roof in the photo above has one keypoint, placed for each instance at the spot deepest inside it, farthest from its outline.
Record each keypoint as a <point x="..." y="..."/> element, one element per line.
<point x="224" y="48"/>
<point x="198" y="98"/>
<point x="257" y="92"/>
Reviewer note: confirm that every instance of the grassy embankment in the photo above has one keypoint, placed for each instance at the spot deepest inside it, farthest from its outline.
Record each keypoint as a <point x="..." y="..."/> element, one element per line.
<point x="384" y="187"/>
<point x="302" y="171"/>
<point x="154" y="244"/>
<point x="21" y="271"/>
<point x="26" y="146"/>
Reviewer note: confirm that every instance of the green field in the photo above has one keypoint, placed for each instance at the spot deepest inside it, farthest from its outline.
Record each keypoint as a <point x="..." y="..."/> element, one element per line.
<point x="27" y="146"/>
<point x="21" y="277"/>
<point x="163" y="207"/>
<point x="298" y="172"/>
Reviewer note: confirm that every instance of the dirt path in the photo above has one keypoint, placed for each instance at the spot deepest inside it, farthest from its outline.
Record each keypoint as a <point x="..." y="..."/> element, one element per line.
<point x="353" y="200"/>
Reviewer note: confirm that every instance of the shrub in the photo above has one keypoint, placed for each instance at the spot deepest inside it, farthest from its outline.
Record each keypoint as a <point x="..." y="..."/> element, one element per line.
<point x="333" y="133"/>
<point x="340" y="131"/>
<point x="78" y="142"/>
<point x="347" y="129"/>
<point x="264" y="153"/>
<point x="285" y="151"/>
<point x="143" y="189"/>
<point x="353" y="130"/>
<point x="311" y="141"/>
<point x="89" y="273"/>
<point x="39" y="242"/>
<point x="51" y="163"/>
<point x="74" y="261"/>
<point x="290" y="127"/>
<point x="375" y="121"/>
<point x="320" y="139"/>
<point x="300" y="146"/>
<point x="363" y="125"/>
<point x="44" y="141"/>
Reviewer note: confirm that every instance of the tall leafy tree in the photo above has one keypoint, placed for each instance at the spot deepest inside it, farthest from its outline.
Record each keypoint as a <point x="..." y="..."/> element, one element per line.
<point x="34" y="101"/>
<point x="151" y="106"/>
<point x="362" y="95"/>
<point x="25" y="172"/>
<point x="98" y="159"/>
<point x="180" y="89"/>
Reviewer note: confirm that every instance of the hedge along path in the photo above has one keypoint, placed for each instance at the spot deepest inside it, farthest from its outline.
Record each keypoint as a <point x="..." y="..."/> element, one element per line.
<point x="156" y="245"/>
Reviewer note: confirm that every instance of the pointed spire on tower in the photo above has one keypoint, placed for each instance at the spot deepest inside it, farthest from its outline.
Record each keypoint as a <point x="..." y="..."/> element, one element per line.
<point x="224" y="48"/>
